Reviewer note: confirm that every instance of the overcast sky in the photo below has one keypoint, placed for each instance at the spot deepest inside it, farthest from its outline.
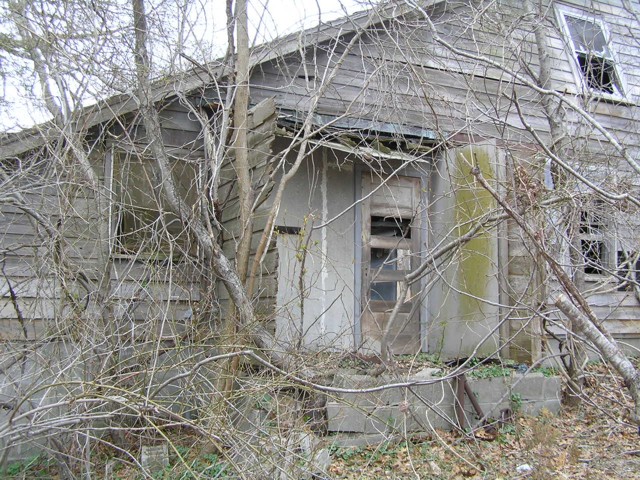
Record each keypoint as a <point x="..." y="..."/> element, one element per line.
<point x="268" y="20"/>
<point x="286" y="16"/>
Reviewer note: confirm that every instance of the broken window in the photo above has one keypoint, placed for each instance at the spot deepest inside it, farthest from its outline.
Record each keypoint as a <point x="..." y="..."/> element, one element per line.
<point x="143" y="223"/>
<point x="392" y="261"/>
<point x="592" y="240"/>
<point x="383" y="259"/>
<point x="594" y="59"/>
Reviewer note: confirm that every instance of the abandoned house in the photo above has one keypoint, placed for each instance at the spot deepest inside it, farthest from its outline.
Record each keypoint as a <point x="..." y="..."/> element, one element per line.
<point x="397" y="114"/>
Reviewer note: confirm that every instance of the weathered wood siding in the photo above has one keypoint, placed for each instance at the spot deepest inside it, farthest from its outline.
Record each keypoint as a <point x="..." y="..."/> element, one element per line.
<point x="261" y="160"/>
<point x="476" y="89"/>
<point x="41" y="273"/>
<point x="397" y="73"/>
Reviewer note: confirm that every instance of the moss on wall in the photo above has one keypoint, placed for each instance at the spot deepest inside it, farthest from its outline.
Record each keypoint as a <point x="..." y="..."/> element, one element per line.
<point x="471" y="202"/>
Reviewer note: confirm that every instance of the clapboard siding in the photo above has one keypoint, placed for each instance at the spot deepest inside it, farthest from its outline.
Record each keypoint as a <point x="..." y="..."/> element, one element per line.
<point x="391" y="68"/>
<point x="32" y="296"/>
<point x="260" y="139"/>
<point x="395" y="73"/>
<point x="619" y="311"/>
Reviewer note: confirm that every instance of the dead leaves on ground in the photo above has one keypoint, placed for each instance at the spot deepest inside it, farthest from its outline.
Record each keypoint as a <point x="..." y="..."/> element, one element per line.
<point x="592" y="441"/>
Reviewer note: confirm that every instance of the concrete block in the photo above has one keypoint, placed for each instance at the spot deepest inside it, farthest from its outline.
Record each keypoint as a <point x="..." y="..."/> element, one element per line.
<point x="534" y="407"/>
<point x="490" y="410"/>
<point x="373" y="399"/>
<point x="427" y="373"/>
<point x="490" y="390"/>
<point x="344" y="418"/>
<point x="426" y="406"/>
<point x="383" y="419"/>
<point x="369" y="420"/>
<point x="536" y="386"/>
<point x="424" y="418"/>
<point x="355" y="381"/>
<point x="346" y="440"/>
<point x="439" y="394"/>
<point x="154" y="457"/>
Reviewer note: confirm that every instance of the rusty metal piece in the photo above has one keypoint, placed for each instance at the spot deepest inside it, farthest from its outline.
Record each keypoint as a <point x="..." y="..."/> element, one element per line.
<point x="462" y="387"/>
<point x="472" y="397"/>
<point x="461" y="381"/>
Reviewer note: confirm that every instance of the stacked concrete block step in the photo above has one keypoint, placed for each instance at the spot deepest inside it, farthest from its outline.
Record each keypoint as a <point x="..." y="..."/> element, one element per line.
<point x="430" y="401"/>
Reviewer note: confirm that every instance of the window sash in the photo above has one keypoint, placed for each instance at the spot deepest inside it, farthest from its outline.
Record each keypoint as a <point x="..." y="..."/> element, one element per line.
<point x="142" y="225"/>
<point x="593" y="230"/>
<point x="594" y="63"/>
<point x="595" y="42"/>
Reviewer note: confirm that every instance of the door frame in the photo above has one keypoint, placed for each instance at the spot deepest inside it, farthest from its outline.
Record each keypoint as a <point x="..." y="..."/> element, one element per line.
<point x="422" y="312"/>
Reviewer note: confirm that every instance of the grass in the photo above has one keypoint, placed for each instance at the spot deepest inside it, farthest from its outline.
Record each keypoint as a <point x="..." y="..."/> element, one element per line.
<point x="35" y="467"/>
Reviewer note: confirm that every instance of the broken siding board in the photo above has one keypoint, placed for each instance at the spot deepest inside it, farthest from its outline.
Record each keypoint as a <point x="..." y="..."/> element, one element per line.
<point x="452" y="108"/>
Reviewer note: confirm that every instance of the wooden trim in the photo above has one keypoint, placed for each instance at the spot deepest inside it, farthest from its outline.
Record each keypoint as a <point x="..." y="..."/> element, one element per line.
<point x="389" y="243"/>
<point x="388" y="275"/>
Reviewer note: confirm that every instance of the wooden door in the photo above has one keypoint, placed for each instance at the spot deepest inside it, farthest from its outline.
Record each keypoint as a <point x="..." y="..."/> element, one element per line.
<point x="391" y="246"/>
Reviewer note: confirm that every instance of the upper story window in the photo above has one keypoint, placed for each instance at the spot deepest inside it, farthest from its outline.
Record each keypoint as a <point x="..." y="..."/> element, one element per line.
<point x="594" y="61"/>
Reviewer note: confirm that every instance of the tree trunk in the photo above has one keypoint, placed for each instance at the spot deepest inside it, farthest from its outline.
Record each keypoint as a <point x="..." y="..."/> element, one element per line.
<point x="240" y="124"/>
<point x="222" y="267"/>
<point x="555" y="115"/>
<point x="608" y="349"/>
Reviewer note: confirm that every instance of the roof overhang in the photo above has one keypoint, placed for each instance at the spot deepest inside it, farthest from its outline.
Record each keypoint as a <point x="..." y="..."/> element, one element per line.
<point x="13" y="144"/>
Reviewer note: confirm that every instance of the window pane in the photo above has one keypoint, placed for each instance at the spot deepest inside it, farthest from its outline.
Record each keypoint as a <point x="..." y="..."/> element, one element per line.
<point x="628" y="269"/>
<point x="598" y="72"/>
<point x="383" y="291"/>
<point x="143" y="222"/>
<point x="591" y="221"/>
<point x="381" y="258"/>
<point x="390" y="227"/>
<point x="587" y="36"/>
<point x="593" y="253"/>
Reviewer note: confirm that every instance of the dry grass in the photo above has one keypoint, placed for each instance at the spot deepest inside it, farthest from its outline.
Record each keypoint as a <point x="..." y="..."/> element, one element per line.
<point x="593" y="441"/>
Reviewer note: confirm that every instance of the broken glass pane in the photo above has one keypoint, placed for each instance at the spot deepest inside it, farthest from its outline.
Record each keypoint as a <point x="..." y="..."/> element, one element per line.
<point x="593" y="254"/>
<point x="587" y="36"/>
<point x="598" y="72"/>
<point x="390" y="227"/>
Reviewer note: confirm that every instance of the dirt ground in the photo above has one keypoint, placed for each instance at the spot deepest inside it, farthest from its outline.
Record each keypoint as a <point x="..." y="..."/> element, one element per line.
<point x="592" y="441"/>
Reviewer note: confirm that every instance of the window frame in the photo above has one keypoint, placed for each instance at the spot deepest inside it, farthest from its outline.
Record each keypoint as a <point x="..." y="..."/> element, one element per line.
<point x="581" y="79"/>
<point x="593" y="228"/>
<point x="163" y="250"/>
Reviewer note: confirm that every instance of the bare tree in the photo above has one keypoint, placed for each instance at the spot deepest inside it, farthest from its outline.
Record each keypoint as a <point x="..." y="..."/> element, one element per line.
<point x="149" y="223"/>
